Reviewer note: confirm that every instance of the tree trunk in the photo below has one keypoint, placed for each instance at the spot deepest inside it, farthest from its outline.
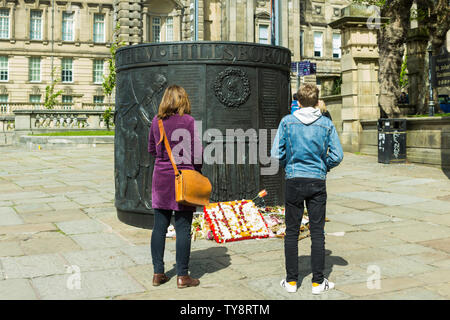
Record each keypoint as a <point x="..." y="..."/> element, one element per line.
<point x="391" y="47"/>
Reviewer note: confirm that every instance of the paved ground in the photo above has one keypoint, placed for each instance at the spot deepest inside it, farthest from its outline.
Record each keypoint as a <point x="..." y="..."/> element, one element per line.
<point x="60" y="238"/>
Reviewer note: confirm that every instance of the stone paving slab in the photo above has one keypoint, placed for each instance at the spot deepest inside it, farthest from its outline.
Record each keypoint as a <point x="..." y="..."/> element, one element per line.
<point x="95" y="284"/>
<point x="32" y="266"/>
<point x="439" y="244"/>
<point x="9" y="217"/>
<point x="81" y="226"/>
<point x="399" y="267"/>
<point x="385" y="198"/>
<point x="48" y="242"/>
<point x="362" y="290"/>
<point x="98" y="240"/>
<point x="10" y="249"/>
<point x="408" y="294"/>
<point x="16" y="289"/>
<point x="271" y="289"/>
<point x="53" y="216"/>
<point x="435" y="206"/>
<point x="102" y="259"/>
<point x="414" y="182"/>
<point x="356" y="218"/>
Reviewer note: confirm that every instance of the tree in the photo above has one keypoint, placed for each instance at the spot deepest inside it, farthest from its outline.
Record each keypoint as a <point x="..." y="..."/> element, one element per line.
<point x="434" y="17"/>
<point x="391" y="45"/>
<point x="109" y="82"/>
<point x="50" y="94"/>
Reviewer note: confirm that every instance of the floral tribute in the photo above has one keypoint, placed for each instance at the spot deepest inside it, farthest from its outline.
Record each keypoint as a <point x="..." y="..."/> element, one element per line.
<point x="235" y="220"/>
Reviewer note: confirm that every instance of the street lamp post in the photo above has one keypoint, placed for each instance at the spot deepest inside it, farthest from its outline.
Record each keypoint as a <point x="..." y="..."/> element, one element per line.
<point x="431" y="101"/>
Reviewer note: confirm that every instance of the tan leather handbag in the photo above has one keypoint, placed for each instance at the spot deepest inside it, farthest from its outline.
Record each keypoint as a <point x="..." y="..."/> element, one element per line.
<point x="191" y="187"/>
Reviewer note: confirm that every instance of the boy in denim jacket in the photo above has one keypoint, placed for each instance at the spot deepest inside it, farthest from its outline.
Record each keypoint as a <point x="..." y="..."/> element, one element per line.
<point x="307" y="147"/>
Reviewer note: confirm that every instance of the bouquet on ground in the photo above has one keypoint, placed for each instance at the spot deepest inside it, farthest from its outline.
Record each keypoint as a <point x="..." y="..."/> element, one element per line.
<point x="235" y="220"/>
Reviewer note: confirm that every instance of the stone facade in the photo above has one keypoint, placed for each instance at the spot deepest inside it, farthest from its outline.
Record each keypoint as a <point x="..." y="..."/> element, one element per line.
<point x="38" y="35"/>
<point x="244" y="21"/>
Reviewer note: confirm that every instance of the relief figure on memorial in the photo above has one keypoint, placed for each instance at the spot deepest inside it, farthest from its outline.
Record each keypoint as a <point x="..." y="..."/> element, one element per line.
<point x="140" y="95"/>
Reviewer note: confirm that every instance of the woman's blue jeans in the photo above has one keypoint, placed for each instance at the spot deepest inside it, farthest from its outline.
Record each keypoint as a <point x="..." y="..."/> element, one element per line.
<point x="183" y="222"/>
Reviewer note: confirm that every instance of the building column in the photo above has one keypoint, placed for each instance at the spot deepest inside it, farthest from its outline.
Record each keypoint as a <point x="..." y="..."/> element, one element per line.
<point x="45" y="25"/>
<point x="250" y="36"/>
<point x="129" y="15"/>
<point x="359" y="67"/>
<point x="13" y="24"/>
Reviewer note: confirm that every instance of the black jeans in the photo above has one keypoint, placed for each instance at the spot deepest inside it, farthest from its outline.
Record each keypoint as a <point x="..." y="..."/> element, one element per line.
<point x="314" y="193"/>
<point x="183" y="222"/>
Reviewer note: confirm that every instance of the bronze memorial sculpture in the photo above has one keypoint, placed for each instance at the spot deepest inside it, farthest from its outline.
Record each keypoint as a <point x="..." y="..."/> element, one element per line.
<point x="233" y="87"/>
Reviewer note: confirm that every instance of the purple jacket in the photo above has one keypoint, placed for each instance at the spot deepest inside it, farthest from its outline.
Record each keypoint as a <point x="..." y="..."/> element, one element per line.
<point x="163" y="183"/>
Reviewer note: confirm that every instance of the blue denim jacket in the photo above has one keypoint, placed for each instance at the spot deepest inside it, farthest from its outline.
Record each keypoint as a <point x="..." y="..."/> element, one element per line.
<point x="307" y="150"/>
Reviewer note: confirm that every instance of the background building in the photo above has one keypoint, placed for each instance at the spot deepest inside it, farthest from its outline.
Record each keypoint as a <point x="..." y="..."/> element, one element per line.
<point x="72" y="38"/>
<point x="303" y="27"/>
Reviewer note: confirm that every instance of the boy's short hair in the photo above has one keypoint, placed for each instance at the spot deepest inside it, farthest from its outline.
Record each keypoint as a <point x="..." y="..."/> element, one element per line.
<point x="308" y="95"/>
<point x="295" y="96"/>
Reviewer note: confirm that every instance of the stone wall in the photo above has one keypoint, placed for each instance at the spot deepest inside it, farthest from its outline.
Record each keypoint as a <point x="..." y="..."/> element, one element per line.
<point x="6" y="129"/>
<point x="334" y="107"/>
<point x="427" y="140"/>
<point x="25" y="122"/>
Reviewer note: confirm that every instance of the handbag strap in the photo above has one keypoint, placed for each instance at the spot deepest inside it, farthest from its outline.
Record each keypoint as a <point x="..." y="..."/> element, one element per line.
<point x="162" y="134"/>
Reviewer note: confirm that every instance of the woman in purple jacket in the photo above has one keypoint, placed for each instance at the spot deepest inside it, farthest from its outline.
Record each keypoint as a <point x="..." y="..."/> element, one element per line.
<point x="174" y="110"/>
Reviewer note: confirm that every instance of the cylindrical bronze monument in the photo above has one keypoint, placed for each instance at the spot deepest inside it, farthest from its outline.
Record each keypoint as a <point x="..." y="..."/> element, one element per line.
<point x="233" y="87"/>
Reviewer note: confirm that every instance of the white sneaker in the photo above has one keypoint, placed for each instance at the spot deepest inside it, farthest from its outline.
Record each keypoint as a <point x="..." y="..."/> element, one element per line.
<point x="324" y="286"/>
<point x="288" y="287"/>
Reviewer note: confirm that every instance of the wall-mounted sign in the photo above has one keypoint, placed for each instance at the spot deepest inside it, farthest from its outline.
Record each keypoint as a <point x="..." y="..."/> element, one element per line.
<point x="440" y="69"/>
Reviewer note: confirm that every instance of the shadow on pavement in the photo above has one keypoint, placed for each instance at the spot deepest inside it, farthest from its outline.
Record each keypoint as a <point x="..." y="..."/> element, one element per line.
<point x="304" y="265"/>
<point x="205" y="261"/>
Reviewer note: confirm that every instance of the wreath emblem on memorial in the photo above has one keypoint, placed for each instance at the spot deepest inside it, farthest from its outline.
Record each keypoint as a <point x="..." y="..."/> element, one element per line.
<point x="232" y="87"/>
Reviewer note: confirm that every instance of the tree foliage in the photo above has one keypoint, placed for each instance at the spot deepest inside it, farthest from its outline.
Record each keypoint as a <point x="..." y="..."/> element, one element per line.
<point x="109" y="81"/>
<point x="50" y="94"/>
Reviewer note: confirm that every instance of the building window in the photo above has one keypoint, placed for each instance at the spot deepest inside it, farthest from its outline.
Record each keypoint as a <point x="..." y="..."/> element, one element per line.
<point x="156" y="29"/>
<point x="36" y="25"/>
<point x="4" y="68"/>
<point x="98" y="71"/>
<point x="66" y="70"/>
<point x="99" y="28"/>
<point x="263" y="34"/>
<point x="34" y="70"/>
<point x="169" y="29"/>
<point x="318" y="44"/>
<point x="98" y="99"/>
<point x="67" y="102"/>
<point x="4" y="24"/>
<point x="302" y="43"/>
<point x="35" y="99"/>
<point x="67" y="26"/>
<point x="336" y="45"/>
<point x="3" y="103"/>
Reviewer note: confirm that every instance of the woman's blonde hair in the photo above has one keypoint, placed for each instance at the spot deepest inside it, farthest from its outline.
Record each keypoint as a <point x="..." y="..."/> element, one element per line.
<point x="174" y="101"/>
<point x="321" y="106"/>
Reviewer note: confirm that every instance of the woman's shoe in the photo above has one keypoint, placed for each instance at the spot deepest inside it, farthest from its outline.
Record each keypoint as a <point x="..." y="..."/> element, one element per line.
<point x="159" y="279"/>
<point x="187" y="281"/>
